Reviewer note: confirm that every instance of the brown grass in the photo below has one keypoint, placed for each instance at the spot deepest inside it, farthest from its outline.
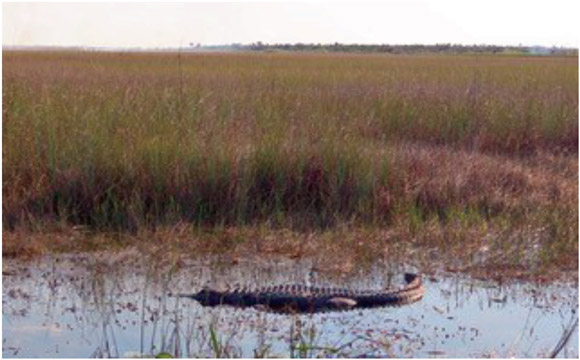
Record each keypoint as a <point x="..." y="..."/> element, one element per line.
<point x="458" y="152"/>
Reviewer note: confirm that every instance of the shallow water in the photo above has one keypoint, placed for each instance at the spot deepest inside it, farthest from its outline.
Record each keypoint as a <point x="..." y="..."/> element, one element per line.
<point x="109" y="305"/>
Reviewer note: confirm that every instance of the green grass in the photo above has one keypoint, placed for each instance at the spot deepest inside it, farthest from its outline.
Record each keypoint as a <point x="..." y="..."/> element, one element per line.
<point x="124" y="142"/>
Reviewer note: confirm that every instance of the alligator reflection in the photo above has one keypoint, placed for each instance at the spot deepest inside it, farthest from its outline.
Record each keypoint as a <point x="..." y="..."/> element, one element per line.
<point x="119" y="305"/>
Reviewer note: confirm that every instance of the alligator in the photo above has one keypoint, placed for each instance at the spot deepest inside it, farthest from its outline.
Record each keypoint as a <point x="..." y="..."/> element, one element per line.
<point x="311" y="299"/>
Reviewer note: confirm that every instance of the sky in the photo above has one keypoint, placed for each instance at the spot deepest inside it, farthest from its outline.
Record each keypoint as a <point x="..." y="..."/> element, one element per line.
<point x="152" y="25"/>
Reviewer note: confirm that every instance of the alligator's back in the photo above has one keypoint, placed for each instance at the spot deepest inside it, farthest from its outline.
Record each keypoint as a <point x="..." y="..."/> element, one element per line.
<point x="310" y="299"/>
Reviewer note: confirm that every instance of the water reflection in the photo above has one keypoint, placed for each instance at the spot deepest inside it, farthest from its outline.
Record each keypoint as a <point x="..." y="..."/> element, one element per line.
<point x="119" y="305"/>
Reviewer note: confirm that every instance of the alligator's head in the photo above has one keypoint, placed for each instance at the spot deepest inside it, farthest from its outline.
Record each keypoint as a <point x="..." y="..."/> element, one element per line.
<point x="410" y="277"/>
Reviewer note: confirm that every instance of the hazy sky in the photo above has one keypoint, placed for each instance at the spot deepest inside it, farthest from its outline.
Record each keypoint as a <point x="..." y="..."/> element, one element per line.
<point x="507" y="22"/>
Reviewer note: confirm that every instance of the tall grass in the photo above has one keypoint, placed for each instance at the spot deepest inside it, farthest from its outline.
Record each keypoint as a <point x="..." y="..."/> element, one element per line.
<point x="125" y="141"/>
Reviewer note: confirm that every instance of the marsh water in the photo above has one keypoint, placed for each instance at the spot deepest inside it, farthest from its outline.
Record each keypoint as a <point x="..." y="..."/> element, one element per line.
<point x="119" y="305"/>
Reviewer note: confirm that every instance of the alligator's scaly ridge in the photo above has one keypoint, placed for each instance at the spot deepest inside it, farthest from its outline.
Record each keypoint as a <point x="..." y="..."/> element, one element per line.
<point x="311" y="299"/>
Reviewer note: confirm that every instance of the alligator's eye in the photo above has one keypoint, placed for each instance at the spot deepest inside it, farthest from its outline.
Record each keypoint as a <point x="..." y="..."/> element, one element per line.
<point x="409" y="277"/>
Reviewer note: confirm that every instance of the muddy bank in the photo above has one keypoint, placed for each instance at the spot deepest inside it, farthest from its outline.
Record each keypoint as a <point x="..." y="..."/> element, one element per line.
<point x="485" y="255"/>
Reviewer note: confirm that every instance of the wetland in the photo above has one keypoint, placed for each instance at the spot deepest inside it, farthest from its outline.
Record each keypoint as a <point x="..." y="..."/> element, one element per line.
<point x="111" y="305"/>
<point x="129" y="177"/>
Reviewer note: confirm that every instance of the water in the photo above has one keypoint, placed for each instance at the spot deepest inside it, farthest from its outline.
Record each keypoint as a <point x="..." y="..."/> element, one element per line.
<point x="109" y="305"/>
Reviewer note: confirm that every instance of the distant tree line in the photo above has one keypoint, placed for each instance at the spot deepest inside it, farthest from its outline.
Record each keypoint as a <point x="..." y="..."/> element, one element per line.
<point x="396" y="49"/>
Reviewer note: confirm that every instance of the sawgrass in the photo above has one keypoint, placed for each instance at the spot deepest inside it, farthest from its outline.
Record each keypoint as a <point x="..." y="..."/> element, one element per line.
<point x="127" y="142"/>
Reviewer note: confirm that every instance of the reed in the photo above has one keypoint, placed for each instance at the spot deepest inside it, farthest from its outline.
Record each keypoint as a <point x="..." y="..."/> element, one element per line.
<point x="126" y="141"/>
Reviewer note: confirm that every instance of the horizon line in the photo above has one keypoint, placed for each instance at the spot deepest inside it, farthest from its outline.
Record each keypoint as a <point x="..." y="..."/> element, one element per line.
<point x="194" y="45"/>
